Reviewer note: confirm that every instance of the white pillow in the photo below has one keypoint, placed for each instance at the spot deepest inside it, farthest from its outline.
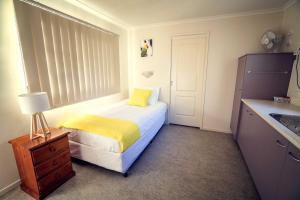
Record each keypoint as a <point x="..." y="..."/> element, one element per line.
<point x="154" y="96"/>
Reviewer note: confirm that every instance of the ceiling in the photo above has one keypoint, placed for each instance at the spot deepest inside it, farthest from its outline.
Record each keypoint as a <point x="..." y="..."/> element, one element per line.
<point x="141" y="12"/>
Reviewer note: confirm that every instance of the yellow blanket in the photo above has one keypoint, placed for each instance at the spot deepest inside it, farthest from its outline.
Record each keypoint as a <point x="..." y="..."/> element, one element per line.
<point x="125" y="132"/>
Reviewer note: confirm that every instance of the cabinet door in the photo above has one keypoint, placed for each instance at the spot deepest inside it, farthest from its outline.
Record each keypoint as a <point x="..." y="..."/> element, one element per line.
<point x="240" y="73"/>
<point x="245" y="135"/>
<point x="235" y="113"/>
<point x="237" y="97"/>
<point x="269" y="153"/>
<point x="289" y="186"/>
<point x="267" y="75"/>
<point x="264" y="151"/>
<point x="247" y="138"/>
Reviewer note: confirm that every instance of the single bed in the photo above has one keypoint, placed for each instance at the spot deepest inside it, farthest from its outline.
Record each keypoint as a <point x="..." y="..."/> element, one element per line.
<point x="104" y="151"/>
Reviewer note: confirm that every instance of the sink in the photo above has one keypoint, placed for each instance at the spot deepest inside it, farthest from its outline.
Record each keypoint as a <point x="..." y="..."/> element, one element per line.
<point x="292" y="122"/>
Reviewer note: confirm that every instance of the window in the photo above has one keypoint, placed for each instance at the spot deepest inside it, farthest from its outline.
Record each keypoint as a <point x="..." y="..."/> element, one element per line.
<point x="69" y="59"/>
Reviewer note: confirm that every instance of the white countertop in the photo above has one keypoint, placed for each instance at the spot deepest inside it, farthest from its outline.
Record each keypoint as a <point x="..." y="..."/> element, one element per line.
<point x="264" y="107"/>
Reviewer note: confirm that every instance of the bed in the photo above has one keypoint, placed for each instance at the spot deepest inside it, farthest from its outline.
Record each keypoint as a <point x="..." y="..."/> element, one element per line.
<point x="104" y="151"/>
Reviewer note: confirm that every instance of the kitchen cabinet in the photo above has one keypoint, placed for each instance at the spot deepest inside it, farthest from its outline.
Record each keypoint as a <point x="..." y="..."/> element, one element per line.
<point x="264" y="151"/>
<point x="289" y="185"/>
<point x="246" y="135"/>
<point x="260" y="76"/>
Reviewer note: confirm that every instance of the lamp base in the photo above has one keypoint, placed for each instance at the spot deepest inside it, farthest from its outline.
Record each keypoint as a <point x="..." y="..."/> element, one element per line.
<point x="39" y="134"/>
<point x="41" y="130"/>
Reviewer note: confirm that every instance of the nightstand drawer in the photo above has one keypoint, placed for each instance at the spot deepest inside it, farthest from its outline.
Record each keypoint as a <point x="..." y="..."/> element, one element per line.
<point x="48" y="166"/>
<point x="49" y="151"/>
<point x="56" y="178"/>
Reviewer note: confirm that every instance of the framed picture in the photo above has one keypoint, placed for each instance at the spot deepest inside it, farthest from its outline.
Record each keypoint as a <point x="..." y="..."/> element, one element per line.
<point x="146" y="48"/>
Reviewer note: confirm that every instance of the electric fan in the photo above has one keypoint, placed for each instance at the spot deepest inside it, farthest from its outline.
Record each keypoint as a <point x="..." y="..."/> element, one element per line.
<point x="271" y="41"/>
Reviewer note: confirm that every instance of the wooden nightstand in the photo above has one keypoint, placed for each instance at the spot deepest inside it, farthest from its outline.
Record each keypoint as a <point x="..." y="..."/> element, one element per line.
<point x="44" y="163"/>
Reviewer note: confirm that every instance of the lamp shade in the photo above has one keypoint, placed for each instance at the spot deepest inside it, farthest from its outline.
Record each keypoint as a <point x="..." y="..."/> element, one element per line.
<point x="31" y="103"/>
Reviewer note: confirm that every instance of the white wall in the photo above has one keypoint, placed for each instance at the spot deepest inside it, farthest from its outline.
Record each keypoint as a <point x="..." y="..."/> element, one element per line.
<point x="230" y="38"/>
<point x="13" y="123"/>
<point x="291" y="24"/>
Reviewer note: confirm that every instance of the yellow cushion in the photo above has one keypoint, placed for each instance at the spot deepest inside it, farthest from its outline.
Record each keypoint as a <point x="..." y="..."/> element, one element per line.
<point x="140" y="97"/>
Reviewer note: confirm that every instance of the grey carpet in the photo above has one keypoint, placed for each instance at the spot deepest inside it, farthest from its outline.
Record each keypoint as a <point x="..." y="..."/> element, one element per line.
<point x="181" y="163"/>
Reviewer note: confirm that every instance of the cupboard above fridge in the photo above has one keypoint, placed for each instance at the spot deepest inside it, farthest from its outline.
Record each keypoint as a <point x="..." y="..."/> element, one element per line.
<point x="260" y="76"/>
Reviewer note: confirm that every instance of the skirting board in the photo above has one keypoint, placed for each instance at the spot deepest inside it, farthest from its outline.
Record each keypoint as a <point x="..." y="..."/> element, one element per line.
<point x="209" y="129"/>
<point x="9" y="187"/>
<point x="216" y="130"/>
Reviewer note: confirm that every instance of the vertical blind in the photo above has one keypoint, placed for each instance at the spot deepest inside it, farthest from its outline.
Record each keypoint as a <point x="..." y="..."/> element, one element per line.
<point x="71" y="61"/>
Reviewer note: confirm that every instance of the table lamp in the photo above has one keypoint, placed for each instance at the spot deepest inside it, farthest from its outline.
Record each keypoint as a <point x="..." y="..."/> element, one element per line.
<point x="34" y="104"/>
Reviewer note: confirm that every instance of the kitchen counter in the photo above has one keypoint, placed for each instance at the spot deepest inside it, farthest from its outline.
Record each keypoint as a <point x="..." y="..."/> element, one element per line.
<point x="264" y="107"/>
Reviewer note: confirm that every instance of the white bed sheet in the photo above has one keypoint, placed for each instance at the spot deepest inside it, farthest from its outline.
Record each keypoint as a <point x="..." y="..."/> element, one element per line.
<point x="144" y="117"/>
<point x="119" y="162"/>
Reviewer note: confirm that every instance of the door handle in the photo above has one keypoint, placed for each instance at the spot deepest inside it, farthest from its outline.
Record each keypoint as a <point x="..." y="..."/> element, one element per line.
<point x="248" y="111"/>
<point x="279" y="143"/>
<point x="294" y="157"/>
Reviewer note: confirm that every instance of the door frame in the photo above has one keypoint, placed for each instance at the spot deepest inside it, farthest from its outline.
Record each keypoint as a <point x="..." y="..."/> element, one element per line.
<point x="207" y="35"/>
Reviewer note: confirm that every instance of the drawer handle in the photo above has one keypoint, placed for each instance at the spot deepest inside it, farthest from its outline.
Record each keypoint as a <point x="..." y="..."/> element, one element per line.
<point x="280" y="144"/>
<point x="248" y="111"/>
<point x="294" y="157"/>
<point x="55" y="162"/>
<point x="52" y="149"/>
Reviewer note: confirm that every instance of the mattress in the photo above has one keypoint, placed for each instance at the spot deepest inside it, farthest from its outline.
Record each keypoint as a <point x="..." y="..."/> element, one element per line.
<point x="144" y="117"/>
<point x="119" y="162"/>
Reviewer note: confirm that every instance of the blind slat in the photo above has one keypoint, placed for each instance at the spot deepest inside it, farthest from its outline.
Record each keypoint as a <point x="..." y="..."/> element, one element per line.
<point x="100" y="63"/>
<point x="39" y="49"/>
<point x="91" y="62"/>
<point x="84" y="49"/>
<point x="74" y="66"/>
<point x="104" y="53"/>
<point x="60" y="69"/>
<point x="50" y="59"/>
<point x="66" y="60"/>
<point x="96" y="69"/>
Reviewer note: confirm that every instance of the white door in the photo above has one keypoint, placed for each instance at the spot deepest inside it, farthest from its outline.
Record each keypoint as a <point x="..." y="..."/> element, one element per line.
<point x="189" y="58"/>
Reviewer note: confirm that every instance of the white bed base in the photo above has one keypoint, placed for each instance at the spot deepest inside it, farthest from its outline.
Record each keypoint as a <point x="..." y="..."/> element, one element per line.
<point x="119" y="162"/>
